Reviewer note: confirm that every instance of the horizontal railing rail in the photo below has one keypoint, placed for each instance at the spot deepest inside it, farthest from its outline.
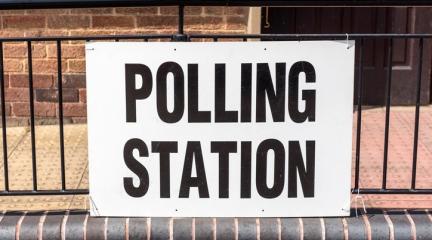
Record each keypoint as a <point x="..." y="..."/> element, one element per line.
<point x="29" y="4"/>
<point x="186" y="37"/>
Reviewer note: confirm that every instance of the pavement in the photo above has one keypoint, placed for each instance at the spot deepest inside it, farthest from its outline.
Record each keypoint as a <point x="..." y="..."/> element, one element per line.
<point x="371" y="161"/>
<point x="400" y="155"/>
<point x="48" y="167"/>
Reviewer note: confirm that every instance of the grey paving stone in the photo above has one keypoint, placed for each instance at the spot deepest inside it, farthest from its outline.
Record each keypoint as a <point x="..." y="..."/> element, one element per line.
<point x="401" y="224"/>
<point x="312" y="228"/>
<point x="137" y="228"/>
<point x="95" y="228"/>
<point x="203" y="228"/>
<point x="116" y="229"/>
<point x="269" y="228"/>
<point x="247" y="228"/>
<point x="75" y="225"/>
<point x="334" y="228"/>
<point x="8" y="225"/>
<point x="356" y="228"/>
<point x="290" y="228"/>
<point x="159" y="228"/>
<point x="52" y="226"/>
<point x="423" y="224"/>
<point x="182" y="228"/>
<point x="29" y="226"/>
<point x="378" y="224"/>
<point x="225" y="229"/>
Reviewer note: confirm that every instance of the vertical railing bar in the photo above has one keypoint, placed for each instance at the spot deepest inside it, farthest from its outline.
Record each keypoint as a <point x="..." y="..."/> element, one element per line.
<point x="146" y="39"/>
<point x="32" y="116"/>
<point x="181" y="19"/>
<point x="387" y="118"/>
<point x="417" y="115"/>
<point x="60" y="110"/>
<point x="359" y="115"/>
<point x="244" y="39"/>
<point x="215" y="39"/>
<point x="3" y="109"/>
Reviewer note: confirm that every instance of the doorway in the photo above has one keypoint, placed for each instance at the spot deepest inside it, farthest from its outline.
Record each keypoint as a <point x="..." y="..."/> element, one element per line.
<point x="326" y="20"/>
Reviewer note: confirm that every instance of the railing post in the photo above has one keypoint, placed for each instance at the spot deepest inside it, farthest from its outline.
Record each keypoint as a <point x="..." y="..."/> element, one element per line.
<point x="60" y="112"/>
<point x="359" y="116"/>
<point x="3" y="114"/>
<point x="32" y="113"/>
<point x="180" y="36"/>
<point x="417" y="114"/>
<point x="388" y="105"/>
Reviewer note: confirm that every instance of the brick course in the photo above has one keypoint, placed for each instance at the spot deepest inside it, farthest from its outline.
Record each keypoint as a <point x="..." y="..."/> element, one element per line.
<point x="90" y="22"/>
<point x="376" y="224"/>
<point x="68" y="22"/>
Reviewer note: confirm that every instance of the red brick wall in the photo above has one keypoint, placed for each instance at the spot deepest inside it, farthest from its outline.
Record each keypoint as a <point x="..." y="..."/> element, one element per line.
<point x="76" y="22"/>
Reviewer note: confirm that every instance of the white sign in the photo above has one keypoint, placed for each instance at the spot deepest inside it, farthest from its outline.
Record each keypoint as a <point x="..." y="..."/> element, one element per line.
<point x="234" y="129"/>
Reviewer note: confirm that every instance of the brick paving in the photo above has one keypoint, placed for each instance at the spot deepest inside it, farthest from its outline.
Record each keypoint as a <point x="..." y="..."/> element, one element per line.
<point x="48" y="167"/>
<point x="372" y="145"/>
<point x="400" y="155"/>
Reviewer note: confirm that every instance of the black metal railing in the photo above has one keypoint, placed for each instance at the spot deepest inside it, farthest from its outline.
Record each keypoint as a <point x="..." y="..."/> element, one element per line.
<point x="26" y="4"/>
<point x="181" y="36"/>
